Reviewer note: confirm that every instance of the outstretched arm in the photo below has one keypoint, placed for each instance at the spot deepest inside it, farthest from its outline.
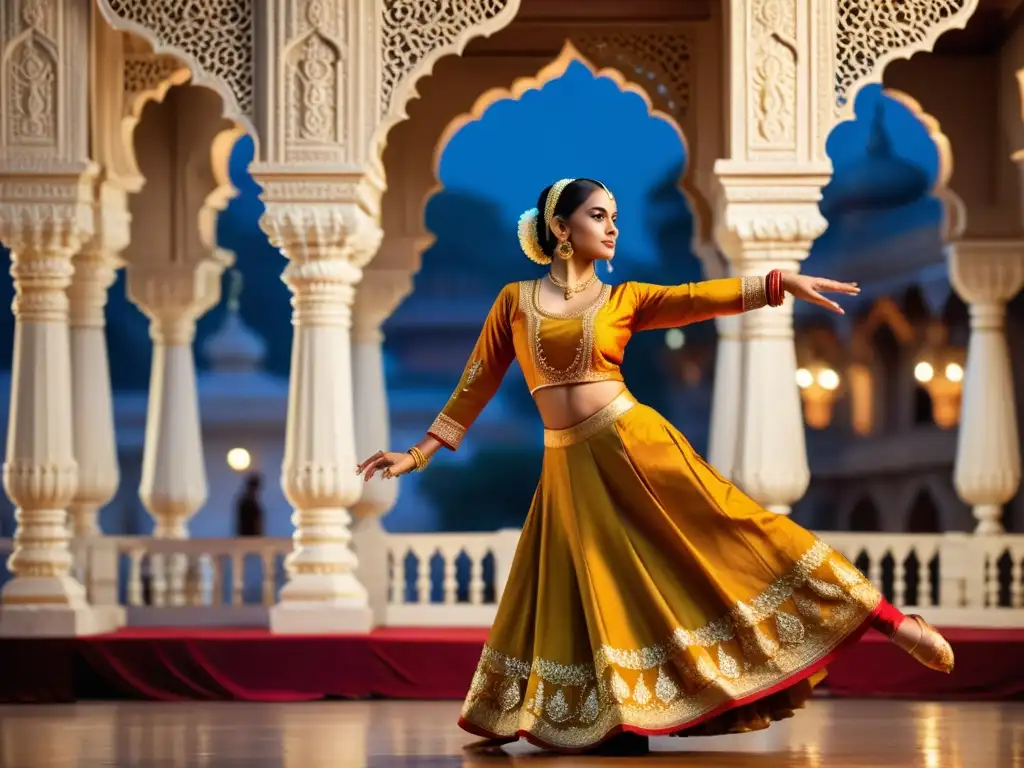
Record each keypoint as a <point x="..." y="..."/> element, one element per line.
<point x="487" y="365"/>
<point x="671" y="306"/>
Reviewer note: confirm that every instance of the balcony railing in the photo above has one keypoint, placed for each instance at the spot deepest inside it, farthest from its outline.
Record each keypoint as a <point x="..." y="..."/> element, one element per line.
<point x="456" y="579"/>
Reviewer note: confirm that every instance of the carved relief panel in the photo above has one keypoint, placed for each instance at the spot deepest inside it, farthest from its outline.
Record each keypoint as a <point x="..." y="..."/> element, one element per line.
<point x="772" y="73"/>
<point x="316" y="68"/>
<point x="44" y="85"/>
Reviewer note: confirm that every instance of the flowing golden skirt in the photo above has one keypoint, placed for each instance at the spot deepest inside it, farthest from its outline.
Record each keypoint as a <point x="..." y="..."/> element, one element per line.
<point x="648" y="594"/>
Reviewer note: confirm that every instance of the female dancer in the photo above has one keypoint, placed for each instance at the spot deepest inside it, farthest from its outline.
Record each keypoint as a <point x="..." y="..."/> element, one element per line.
<point x="648" y="595"/>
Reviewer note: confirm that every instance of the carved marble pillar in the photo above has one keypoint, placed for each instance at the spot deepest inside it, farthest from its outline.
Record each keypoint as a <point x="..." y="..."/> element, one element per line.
<point x="327" y="244"/>
<point x="182" y="145"/>
<point x="769" y="461"/>
<point x="986" y="274"/>
<point x="379" y="293"/>
<point x="95" y="444"/>
<point x="173" y="486"/>
<point x="781" y="108"/>
<point x="43" y="220"/>
<point x="46" y="214"/>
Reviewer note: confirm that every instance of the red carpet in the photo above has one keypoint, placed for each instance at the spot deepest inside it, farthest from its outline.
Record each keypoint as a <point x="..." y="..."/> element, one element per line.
<point x="253" y="665"/>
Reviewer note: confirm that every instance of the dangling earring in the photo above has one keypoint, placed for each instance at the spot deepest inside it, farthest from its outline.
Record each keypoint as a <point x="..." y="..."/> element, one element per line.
<point x="565" y="250"/>
<point x="610" y="267"/>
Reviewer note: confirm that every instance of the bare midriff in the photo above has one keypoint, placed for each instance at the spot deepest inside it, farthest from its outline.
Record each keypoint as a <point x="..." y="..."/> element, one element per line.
<point x="567" y="405"/>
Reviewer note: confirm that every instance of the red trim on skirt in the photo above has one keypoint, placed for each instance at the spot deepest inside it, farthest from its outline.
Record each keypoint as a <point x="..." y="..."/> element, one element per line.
<point x="803" y="674"/>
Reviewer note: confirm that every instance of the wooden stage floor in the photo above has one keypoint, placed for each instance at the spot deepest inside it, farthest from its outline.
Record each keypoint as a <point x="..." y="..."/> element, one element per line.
<point x="380" y="734"/>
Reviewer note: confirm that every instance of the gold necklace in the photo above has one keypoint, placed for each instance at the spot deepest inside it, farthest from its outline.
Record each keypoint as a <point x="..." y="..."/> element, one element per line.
<point x="572" y="290"/>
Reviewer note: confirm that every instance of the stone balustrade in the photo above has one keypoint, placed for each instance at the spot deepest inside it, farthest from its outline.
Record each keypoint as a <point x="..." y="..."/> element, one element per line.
<point x="456" y="579"/>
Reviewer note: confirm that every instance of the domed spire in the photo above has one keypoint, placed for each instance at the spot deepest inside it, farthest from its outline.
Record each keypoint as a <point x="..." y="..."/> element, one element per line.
<point x="234" y="347"/>
<point x="880" y="181"/>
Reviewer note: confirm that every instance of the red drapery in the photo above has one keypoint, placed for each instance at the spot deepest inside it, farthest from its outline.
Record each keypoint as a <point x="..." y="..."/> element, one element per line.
<point x="253" y="665"/>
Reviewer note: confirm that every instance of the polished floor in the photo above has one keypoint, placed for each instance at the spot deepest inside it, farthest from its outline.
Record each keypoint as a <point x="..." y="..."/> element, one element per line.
<point x="380" y="734"/>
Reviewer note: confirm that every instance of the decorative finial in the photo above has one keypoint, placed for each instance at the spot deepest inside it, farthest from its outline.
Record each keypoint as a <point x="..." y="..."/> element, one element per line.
<point x="234" y="290"/>
<point x="878" y="139"/>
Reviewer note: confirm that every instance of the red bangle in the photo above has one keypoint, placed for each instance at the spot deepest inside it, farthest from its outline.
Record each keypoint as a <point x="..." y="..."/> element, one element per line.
<point x="774" y="292"/>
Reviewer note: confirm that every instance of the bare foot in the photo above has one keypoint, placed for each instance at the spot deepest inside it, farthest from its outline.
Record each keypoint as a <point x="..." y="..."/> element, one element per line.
<point x="918" y="638"/>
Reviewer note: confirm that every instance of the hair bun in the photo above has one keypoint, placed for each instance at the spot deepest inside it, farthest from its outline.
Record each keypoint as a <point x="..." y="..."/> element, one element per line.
<point x="528" y="238"/>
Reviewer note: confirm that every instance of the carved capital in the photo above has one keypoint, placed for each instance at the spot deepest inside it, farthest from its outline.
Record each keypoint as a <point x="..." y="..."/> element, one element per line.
<point x="379" y="293"/>
<point x="327" y="245"/>
<point x="174" y="296"/>
<point x="97" y="262"/>
<point x="94" y="272"/>
<point x="44" y="220"/>
<point x="768" y="217"/>
<point x="986" y="272"/>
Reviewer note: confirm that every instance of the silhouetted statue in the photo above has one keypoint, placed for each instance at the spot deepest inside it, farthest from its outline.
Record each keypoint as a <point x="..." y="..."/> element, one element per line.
<point x="248" y="510"/>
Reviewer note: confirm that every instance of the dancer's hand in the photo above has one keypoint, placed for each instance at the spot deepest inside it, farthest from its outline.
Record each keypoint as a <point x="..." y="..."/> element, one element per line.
<point x="811" y="289"/>
<point x="392" y="464"/>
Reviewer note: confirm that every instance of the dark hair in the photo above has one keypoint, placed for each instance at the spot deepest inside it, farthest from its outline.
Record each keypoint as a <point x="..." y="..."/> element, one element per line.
<point x="572" y="197"/>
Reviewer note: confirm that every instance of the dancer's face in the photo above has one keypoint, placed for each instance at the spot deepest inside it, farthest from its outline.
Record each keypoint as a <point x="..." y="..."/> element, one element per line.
<point x="592" y="228"/>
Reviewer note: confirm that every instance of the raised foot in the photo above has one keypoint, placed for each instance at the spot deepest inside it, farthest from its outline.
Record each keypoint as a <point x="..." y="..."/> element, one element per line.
<point x="926" y="645"/>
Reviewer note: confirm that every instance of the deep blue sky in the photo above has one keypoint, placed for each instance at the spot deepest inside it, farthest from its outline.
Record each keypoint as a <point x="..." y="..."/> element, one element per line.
<point x="493" y="170"/>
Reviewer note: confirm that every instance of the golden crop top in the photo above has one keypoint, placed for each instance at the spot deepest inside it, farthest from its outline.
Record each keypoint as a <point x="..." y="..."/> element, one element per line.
<point x="585" y="345"/>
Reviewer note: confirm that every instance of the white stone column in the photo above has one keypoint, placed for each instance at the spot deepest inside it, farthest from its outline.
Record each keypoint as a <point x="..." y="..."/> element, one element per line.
<point x="173" y="485"/>
<point x="327" y="245"/>
<point x="780" y="109"/>
<point x="379" y="293"/>
<point x="765" y="233"/>
<point x="95" y="444"/>
<point x="986" y="274"/>
<point x="43" y="229"/>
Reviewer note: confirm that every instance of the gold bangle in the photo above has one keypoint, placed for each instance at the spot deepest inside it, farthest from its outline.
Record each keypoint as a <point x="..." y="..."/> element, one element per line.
<point x="419" y="458"/>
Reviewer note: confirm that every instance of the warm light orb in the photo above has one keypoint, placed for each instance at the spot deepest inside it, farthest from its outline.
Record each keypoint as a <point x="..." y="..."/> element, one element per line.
<point x="239" y="459"/>
<point x="828" y="379"/>
<point x="675" y="339"/>
<point x="924" y="372"/>
<point x="955" y="372"/>
<point x="804" y="378"/>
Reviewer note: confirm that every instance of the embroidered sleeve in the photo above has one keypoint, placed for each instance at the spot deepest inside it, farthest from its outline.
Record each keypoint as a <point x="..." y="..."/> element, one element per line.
<point x="489" y="361"/>
<point x="671" y="306"/>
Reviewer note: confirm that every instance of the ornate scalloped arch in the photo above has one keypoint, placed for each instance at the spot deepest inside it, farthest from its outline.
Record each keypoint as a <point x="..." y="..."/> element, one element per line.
<point x="153" y="84"/>
<point x="416" y="34"/>
<point x="699" y="207"/>
<point x="954" y="210"/>
<point x="220" y="148"/>
<point x="220" y="60"/>
<point x="887" y="312"/>
<point x="872" y="34"/>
